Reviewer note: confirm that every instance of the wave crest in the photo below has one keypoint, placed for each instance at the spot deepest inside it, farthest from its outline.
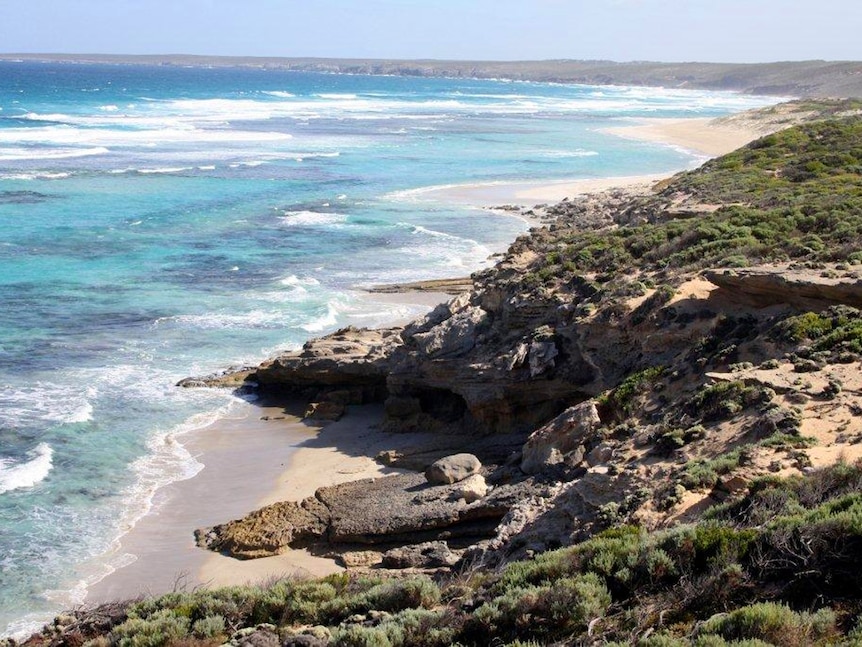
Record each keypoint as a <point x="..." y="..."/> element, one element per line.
<point x="17" y="475"/>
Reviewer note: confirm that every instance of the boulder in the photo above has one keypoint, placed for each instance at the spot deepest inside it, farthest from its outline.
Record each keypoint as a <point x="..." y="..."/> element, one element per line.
<point x="432" y="554"/>
<point x="304" y="640"/>
<point x="562" y="436"/>
<point x="472" y="488"/>
<point x="600" y="454"/>
<point x="452" y="469"/>
<point x="264" y="635"/>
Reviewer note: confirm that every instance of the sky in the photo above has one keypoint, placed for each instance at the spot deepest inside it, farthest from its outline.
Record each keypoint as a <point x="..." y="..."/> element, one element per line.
<point x="734" y="31"/>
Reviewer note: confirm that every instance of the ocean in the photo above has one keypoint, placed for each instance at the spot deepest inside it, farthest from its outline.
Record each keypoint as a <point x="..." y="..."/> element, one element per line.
<point x="158" y="222"/>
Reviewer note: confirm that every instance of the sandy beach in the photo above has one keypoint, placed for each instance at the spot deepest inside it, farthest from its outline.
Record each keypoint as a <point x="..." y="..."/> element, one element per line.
<point x="529" y="194"/>
<point x="706" y="136"/>
<point x="251" y="461"/>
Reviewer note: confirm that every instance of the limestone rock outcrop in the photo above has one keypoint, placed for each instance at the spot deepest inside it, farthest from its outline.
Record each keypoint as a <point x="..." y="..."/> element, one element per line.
<point x="432" y="554"/>
<point x="269" y="530"/>
<point x="351" y="359"/>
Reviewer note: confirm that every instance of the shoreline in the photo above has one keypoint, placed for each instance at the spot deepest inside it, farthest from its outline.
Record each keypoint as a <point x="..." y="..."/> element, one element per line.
<point x="289" y="458"/>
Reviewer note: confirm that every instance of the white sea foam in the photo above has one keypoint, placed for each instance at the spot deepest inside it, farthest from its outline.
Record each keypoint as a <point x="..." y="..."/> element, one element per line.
<point x="16" y="475"/>
<point x="46" y="402"/>
<point x="227" y="320"/>
<point x="295" y="281"/>
<point x="97" y="138"/>
<point x="34" y="176"/>
<point x="564" y="154"/>
<point x="156" y="171"/>
<point x="311" y="218"/>
<point x="280" y="95"/>
<point x="22" y="154"/>
<point x="82" y="414"/>
<point x="337" y="95"/>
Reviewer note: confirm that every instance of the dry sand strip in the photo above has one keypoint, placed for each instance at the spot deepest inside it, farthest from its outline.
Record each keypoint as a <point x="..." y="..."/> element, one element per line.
<point x="706" y="136"/>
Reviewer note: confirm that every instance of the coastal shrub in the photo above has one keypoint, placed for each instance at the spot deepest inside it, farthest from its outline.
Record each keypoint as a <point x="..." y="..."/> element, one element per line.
<point x="390" y="596"/>
<point x="209" y="627"/>
<point x="161" y="628"/>
<point x="725" y="399"/>
<point x="235" y="604"/>
<point x="561" y="608"/>
<point x="359" y="636"/>
<point x="291" y="601"/>
<point x="702" y="474"/>
<point x="622" y="398"/>
<point x="774" y="623"/>
<point x="712" y="640"/>
<point x="424" y="628"/>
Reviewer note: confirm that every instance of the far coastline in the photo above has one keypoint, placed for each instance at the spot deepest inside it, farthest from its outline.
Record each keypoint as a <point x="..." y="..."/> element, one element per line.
<point x="813" y="78"/>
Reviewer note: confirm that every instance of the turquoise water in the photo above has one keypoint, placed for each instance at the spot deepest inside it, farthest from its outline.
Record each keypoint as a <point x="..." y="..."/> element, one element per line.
<point x="160" y="222"/>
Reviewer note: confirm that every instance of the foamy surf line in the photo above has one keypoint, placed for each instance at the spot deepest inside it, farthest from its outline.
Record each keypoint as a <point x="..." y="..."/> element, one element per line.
<point x="167" y="462"/>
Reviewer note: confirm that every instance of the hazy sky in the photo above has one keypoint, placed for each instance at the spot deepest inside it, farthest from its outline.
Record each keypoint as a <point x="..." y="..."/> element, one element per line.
<point x="622" y="30"/>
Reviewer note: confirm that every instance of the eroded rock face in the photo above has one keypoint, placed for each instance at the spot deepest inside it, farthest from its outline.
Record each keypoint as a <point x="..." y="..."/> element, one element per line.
<point x="561" y="439"/>
<point x="454" y="336"/>
<point x="803" y="288"/>
<point x="452" y="469"/>
<point x="351" y="360"/>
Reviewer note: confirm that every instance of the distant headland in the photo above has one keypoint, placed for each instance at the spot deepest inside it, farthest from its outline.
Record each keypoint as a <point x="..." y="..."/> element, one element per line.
<point x="786" y="78"/>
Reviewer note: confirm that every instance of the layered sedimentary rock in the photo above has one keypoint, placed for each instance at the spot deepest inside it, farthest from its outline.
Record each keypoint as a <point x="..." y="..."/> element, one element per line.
<point x="804" y="288"/>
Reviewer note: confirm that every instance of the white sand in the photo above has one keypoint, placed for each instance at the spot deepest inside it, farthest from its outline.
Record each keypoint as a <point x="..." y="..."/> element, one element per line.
<point x="706" y="136"/>
<point x="531" y="193"/>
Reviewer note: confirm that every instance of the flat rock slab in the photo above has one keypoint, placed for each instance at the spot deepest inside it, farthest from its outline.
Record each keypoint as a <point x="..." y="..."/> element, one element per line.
<point x="390" y="510"/>
<point x="405" y="508"/>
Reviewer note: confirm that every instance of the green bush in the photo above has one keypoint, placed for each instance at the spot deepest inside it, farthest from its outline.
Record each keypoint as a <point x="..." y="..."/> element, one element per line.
<point x="774" y="623"/>
<point x="209" y="627"/>
<point x="161" y="628"/>
<point x="726" y="399"/>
